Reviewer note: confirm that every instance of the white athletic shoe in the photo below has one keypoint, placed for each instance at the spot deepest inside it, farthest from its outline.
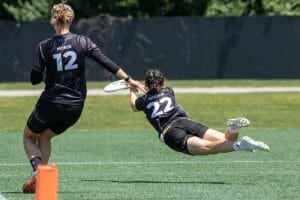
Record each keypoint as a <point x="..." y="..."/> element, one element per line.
<point x="248" y="144"/>
<point x="237" y="123"/>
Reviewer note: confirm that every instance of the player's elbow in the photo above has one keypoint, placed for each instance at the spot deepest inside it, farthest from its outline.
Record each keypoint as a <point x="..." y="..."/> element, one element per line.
<point x="135" y="110"/>
<point x="36" y="77"/>
<point x="133" y="107"/>
<point x="34" y="82"/>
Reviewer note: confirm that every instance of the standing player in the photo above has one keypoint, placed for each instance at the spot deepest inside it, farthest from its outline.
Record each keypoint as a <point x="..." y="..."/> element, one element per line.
<point x="180" y="133"/>
<point x="59" y="61"/>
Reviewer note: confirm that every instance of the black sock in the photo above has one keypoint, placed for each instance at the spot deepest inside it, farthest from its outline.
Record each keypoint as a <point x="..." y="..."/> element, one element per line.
<point x="34" y="162"/>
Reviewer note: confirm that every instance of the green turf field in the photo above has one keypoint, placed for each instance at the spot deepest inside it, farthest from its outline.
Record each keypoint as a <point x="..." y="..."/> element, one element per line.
<point x="135" y="165"/>
<point x="113" y="153"/>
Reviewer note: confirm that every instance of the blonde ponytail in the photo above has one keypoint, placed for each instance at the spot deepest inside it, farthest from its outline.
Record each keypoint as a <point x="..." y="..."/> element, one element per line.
<point x="62" y="14"/>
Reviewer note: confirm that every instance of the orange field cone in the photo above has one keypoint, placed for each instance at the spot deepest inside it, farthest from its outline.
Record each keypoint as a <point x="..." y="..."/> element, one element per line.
<point x="47" y="182"/>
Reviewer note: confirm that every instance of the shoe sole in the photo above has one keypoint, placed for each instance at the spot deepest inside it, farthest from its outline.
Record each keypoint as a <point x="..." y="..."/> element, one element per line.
<point x="258" y="145"/>
<point x="239" y="122"/>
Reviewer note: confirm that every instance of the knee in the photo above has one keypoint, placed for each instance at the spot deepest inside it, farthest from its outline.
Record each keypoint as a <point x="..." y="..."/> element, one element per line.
<point x="29" y="134"/>
<point x="47" y="135"/>
<point x="44" y="138"/>
<point x="197" y="146"/>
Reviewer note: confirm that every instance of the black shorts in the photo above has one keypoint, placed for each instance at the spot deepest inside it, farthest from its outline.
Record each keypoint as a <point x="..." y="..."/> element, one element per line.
<point x="56" y="117"/>
<point x="177" y="136"/>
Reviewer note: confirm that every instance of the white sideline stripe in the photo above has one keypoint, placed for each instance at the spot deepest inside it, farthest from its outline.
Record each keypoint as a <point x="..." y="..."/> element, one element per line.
<point x="237" y="90"/>
<point x="156" y="162"/>
<point x="2" y="197"/>
<point x="214" y="90"/>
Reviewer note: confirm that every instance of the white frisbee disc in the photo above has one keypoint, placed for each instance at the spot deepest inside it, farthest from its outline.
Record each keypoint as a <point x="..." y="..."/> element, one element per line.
<point x="116" y="86"/>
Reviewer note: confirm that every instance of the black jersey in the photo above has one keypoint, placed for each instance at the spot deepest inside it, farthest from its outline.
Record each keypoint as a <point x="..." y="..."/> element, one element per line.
<point x="160" y="108"/>
<point x="60" y="61"/>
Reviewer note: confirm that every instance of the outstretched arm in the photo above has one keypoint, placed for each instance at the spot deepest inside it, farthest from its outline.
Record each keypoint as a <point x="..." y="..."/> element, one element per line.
<point x="133" y="98"/>
<point x="112" y="67"/>
<point x="132" y="83"/>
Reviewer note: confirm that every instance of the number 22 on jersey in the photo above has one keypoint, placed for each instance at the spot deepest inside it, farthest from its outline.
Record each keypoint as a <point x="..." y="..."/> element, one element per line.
<point x="160" y="107"/>
<point x="71" y="64"/>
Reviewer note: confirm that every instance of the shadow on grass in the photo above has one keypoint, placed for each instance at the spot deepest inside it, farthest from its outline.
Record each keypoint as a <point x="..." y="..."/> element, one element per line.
<point x="14" y="192"/>
<point x="159" y="182"/>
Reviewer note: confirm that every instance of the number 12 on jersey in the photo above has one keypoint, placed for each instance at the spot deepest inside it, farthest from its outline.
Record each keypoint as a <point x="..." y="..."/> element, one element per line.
<point x="70" y="64"/>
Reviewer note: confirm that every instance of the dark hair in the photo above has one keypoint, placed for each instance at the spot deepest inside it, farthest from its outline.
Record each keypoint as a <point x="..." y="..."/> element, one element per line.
<point x="154" y="80"/>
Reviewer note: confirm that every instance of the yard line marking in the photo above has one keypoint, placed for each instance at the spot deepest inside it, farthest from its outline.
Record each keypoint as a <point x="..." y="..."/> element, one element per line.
<point x="213" y="90"/>
<point x="173" y="162"/>
<point x="2" y="197"/>
<point x="237" y="90"/>
<point x="156" y="162"/>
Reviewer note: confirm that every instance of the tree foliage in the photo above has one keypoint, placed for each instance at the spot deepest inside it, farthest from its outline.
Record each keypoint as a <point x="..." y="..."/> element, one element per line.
<point x="31" y="10"/>
<point x="253" y="7"/>
<point x="279" y="7"/>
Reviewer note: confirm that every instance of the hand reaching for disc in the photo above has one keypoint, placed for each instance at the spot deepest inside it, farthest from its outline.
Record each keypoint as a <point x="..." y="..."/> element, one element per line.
<point x="137" y="85"/>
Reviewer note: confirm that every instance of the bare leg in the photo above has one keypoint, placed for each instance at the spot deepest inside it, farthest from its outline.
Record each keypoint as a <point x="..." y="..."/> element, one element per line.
<point x="213" y="142"/>
<point x="30" y="143"/>
<point x="198" y="146"/>
<point x="213" y="135"/>
<point x="231" y="136"/>
<point x="45" y="145"/>
<point x="232" y="133"/>
<point x="38" y="145"/>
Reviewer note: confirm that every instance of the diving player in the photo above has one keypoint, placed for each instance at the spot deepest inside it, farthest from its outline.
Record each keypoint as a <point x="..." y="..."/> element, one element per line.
<point x="179" y="132"/>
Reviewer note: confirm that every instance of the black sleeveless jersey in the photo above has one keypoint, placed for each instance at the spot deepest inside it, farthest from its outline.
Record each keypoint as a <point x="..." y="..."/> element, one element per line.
<point x="160" y="108"/>
<point x="60" y="60"/>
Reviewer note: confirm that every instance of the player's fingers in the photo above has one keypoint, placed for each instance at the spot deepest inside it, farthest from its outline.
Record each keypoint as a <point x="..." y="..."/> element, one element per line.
<point x="137" y="84"/>
<point x="141" y="88"/>
<point x="132" y="87"/>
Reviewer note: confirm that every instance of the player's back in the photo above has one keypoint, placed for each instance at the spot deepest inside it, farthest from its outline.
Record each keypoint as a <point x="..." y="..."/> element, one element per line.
<point x="161" y="108"/>
<point x="64" y="59"/>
